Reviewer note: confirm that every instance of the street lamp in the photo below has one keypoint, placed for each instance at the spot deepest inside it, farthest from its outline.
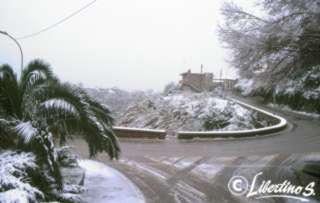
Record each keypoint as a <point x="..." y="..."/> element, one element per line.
<point x="17" y="43"/>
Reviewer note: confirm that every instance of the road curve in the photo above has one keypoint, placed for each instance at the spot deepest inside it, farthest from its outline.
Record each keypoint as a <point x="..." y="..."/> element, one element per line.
<point x="198" y="170"/>
<point x="302" y="135"/>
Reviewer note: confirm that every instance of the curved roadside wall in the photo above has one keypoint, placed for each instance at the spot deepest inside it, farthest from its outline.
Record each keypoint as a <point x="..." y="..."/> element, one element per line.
<point x="125" y="132"/>
<point x="280" y="125"/>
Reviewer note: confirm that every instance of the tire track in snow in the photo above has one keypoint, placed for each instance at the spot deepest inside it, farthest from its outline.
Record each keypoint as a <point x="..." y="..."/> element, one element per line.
<point x="207" y="187"/>
<point x="154" y="190"/>
<point x="183" y="192"/>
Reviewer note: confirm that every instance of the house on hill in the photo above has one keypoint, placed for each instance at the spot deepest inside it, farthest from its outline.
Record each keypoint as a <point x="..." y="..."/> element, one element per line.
<point x="203" y="82"/>
<point x="196" y="82"/>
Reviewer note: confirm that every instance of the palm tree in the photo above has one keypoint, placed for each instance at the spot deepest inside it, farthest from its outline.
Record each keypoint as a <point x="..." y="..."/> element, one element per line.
<point x="37" y="107"/>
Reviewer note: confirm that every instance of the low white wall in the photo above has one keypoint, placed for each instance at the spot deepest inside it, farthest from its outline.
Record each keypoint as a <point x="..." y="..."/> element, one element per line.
<point x="153" y="133"/>
<point x="138" y="129"/>
<point x="126" y="132"/>
<point x="238" y="133"/>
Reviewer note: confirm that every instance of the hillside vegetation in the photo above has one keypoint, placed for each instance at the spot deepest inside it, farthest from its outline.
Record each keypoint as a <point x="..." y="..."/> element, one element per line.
<point x="277" y="52"/>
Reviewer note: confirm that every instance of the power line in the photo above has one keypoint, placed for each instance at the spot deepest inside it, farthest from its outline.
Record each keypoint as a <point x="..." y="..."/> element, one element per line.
<point x="57" y="23"/>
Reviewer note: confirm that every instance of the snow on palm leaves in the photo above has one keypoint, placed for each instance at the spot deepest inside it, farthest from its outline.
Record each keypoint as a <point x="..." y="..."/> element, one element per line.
<point x="38" y="107"/>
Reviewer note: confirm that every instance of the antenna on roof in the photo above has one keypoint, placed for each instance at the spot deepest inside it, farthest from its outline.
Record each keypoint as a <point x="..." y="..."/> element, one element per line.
<point x="201" y="68"/>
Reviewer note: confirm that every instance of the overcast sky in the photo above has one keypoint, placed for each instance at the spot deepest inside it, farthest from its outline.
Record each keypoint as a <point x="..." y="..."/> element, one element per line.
<point x="131" y="44"/>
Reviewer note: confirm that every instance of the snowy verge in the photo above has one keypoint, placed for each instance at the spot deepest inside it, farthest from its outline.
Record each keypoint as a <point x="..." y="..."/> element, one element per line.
<point x="287" y="108"/>
<point x="282" y="123"/>
<point x="105" y="185"/>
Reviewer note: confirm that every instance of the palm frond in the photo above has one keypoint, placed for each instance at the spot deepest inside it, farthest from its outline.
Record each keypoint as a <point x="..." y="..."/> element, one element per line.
<point x="100" y="127"/>
<point x="43" y="147"/>
<point x="100" y="111"/>
<point x="9" y="92"/>
<point x="36" y="138"/>
<point x="6" y="71"/>
<point x="38" y="106"/>
<point x="102" y="115"/>
<point x="37" y="70"/>
<point x="26" y="132"/>
<point x="92" y="119"/>
<point x="59" y="107"/>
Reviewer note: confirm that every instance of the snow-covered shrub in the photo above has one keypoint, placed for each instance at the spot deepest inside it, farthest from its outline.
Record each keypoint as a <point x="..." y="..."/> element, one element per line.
<point x="171" y="88"/>
<point x="235" y="117"/>
<point x="217" y="122"/>
<point x="196" y="112"/>
<point x="66" y="157"/>
<point x="175" y="111"/>
<point x="15" y="170"/>
<point x="23" y="180"/>
<point x="245" y="86"/>
<point x="301" y="93"/>
<point x="14" y="196"/>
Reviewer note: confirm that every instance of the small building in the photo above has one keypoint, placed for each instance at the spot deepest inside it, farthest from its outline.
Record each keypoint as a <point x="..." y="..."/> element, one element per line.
<point x="196" y="82"/>
<point x="226" y="84"/>
<point x="202" y="82"/>
<point x="229" y="83"/>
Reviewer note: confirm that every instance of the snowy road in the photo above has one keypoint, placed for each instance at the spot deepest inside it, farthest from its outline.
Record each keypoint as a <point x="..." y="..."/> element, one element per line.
<point x="202" y="179"/>
<point x="174" y="170"/>
<point x="301" y="136"/>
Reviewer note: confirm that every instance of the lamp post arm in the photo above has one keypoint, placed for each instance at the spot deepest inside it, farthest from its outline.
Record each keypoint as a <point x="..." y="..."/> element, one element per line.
<point x="18" y="44"/>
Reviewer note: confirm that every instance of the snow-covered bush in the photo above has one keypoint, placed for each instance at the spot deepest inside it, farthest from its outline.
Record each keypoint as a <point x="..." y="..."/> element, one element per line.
<point x="15" y="172"/>
<point x="171" y="88"/>
<point x="174" y="111"/>
<point x="245" y="86"/>
<point x="66" y="157"/>
<point x="23" y="180"/>
<point x="276" y="47"/>
<point x="301" y="93"/>
<point x="235" y="117"/>
<point x="196" y="112"/>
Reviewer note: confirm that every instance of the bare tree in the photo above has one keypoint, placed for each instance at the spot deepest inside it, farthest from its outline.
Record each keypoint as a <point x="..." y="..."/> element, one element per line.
<point x="282" y="42"/>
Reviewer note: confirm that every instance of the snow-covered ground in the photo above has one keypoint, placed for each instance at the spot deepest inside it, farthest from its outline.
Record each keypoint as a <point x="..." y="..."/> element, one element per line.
<point x="287" y="108"/>
<point x="104" y="184"/>
<point x="14" y="187"/>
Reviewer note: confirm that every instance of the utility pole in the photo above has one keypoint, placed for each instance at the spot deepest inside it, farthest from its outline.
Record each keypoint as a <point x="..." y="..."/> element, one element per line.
<point x="17" y="43"/>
